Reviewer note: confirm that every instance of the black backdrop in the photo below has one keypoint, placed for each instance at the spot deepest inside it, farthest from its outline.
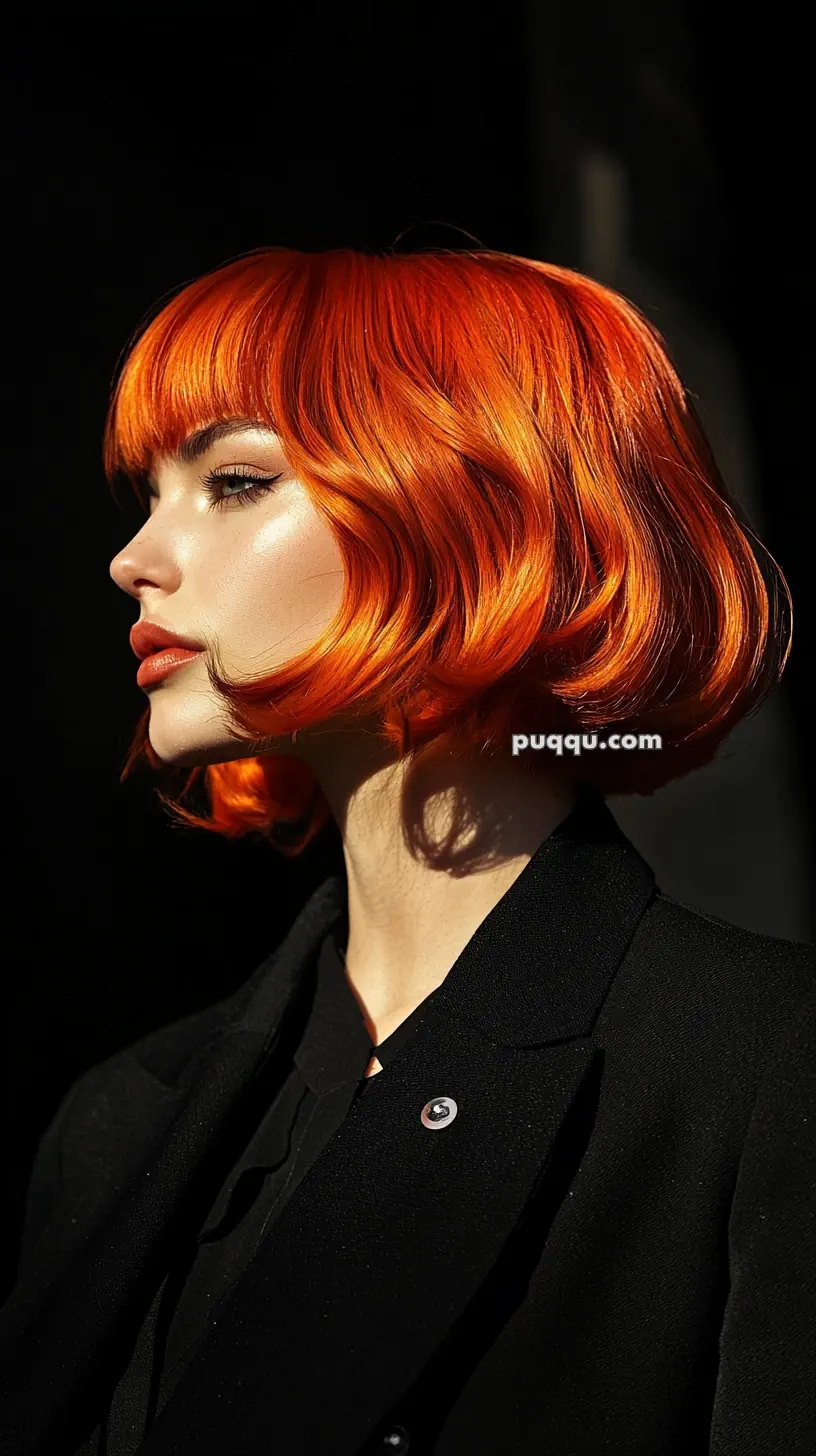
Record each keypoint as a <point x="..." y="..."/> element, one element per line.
<point x="145" y="154"/>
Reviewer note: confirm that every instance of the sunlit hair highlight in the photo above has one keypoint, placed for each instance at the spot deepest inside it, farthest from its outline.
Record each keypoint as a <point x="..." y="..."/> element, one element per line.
<point x="535" y="534"/>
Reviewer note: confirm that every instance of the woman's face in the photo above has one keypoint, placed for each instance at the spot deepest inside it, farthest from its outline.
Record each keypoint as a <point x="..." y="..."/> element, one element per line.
<point x="260" y="575"/>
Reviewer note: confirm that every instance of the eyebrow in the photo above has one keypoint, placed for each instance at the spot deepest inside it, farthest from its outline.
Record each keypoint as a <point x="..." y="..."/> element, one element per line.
<point x="202" y="440"/>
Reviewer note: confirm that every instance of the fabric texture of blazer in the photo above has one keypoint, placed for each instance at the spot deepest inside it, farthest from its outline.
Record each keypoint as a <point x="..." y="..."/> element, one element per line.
<point x="608" y="1251"/>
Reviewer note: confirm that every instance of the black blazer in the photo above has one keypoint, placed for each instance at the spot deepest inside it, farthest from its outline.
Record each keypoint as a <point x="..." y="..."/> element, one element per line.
<point x="608" y="1251"/>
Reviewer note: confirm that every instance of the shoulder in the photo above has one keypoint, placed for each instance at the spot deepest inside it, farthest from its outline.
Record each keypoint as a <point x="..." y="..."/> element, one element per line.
<point x="110" y="1106"/>
<point x="715" y="986"/>
<point x="126" y="1090"/>
<point x="766" y="968"/>
<point x="163" y="1058"/>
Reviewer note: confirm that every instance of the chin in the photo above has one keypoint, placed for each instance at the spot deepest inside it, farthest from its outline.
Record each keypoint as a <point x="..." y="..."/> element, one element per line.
<point x="176" y="752"/>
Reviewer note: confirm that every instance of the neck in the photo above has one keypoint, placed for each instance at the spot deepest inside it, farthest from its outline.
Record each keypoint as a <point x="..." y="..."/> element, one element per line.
<point x="429" y="851"/>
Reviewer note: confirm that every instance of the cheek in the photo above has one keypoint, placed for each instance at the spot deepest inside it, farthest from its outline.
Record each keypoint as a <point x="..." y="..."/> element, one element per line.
<point x="277" y="591"/>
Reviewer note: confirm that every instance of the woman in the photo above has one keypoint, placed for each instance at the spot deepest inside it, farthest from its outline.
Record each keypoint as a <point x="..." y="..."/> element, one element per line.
<point x="501" y="1150"/>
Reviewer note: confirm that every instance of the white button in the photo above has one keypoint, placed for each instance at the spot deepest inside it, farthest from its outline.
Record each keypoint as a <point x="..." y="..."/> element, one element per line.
<point x="397" y="1439"/>
<point x="439" y="1112"/>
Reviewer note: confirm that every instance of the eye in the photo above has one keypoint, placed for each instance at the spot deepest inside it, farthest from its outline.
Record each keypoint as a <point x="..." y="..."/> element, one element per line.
<point x="255" y="486"/>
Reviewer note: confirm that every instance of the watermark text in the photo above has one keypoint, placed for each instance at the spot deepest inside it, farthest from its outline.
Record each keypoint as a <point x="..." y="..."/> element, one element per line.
<point x="577" y="743"/>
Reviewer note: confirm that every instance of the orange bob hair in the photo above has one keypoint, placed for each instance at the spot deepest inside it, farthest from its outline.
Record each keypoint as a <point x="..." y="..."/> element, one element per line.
<point x="535" y="534"/>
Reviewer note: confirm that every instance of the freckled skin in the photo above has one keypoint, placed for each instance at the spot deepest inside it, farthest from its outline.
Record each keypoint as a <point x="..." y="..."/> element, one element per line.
<point x="263" y="578"/>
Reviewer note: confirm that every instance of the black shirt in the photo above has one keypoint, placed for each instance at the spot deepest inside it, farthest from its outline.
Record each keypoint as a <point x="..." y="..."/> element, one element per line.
<point x="320" y="1071"/>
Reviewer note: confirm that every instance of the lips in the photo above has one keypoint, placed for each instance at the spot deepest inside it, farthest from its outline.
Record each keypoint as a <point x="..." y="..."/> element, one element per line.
<point x="147" y="638"/>
<point x="161" y="664"/>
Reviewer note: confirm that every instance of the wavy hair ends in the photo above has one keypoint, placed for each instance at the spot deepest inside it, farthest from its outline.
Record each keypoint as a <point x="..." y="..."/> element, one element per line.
<point x="535" y="534"/>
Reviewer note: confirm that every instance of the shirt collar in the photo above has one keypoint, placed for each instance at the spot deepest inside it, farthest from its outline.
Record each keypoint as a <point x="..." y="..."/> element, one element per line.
<point x="335" y="1046"/>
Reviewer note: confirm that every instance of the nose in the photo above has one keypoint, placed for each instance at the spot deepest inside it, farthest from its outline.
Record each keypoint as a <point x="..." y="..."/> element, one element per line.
<point x="123" y="577"/>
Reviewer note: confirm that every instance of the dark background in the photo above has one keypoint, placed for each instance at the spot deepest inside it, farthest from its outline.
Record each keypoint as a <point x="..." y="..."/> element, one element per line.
<point x="655" y="147"/>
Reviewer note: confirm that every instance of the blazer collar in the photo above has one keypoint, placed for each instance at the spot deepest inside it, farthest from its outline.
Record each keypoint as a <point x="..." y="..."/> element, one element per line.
<point x="537" y="970"/>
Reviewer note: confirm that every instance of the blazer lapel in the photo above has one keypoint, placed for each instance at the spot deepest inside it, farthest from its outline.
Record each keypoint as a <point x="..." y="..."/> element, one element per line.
<point x="380" y="1251"/>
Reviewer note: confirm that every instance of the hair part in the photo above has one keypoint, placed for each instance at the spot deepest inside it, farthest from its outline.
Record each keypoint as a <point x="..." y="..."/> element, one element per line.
<point x="535" y="534"/>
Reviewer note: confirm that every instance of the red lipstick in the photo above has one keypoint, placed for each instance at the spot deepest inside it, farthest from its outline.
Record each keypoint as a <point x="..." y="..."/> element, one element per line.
<point x="159" y="664"/>
<point x="161" y="650"/>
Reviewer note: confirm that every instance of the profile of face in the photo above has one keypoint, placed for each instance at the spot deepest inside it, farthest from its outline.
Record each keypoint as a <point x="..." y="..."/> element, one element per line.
<point x="234" y="553"/>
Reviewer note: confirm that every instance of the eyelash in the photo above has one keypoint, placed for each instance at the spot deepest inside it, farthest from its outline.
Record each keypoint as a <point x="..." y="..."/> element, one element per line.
<point x="260" y="485"/>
